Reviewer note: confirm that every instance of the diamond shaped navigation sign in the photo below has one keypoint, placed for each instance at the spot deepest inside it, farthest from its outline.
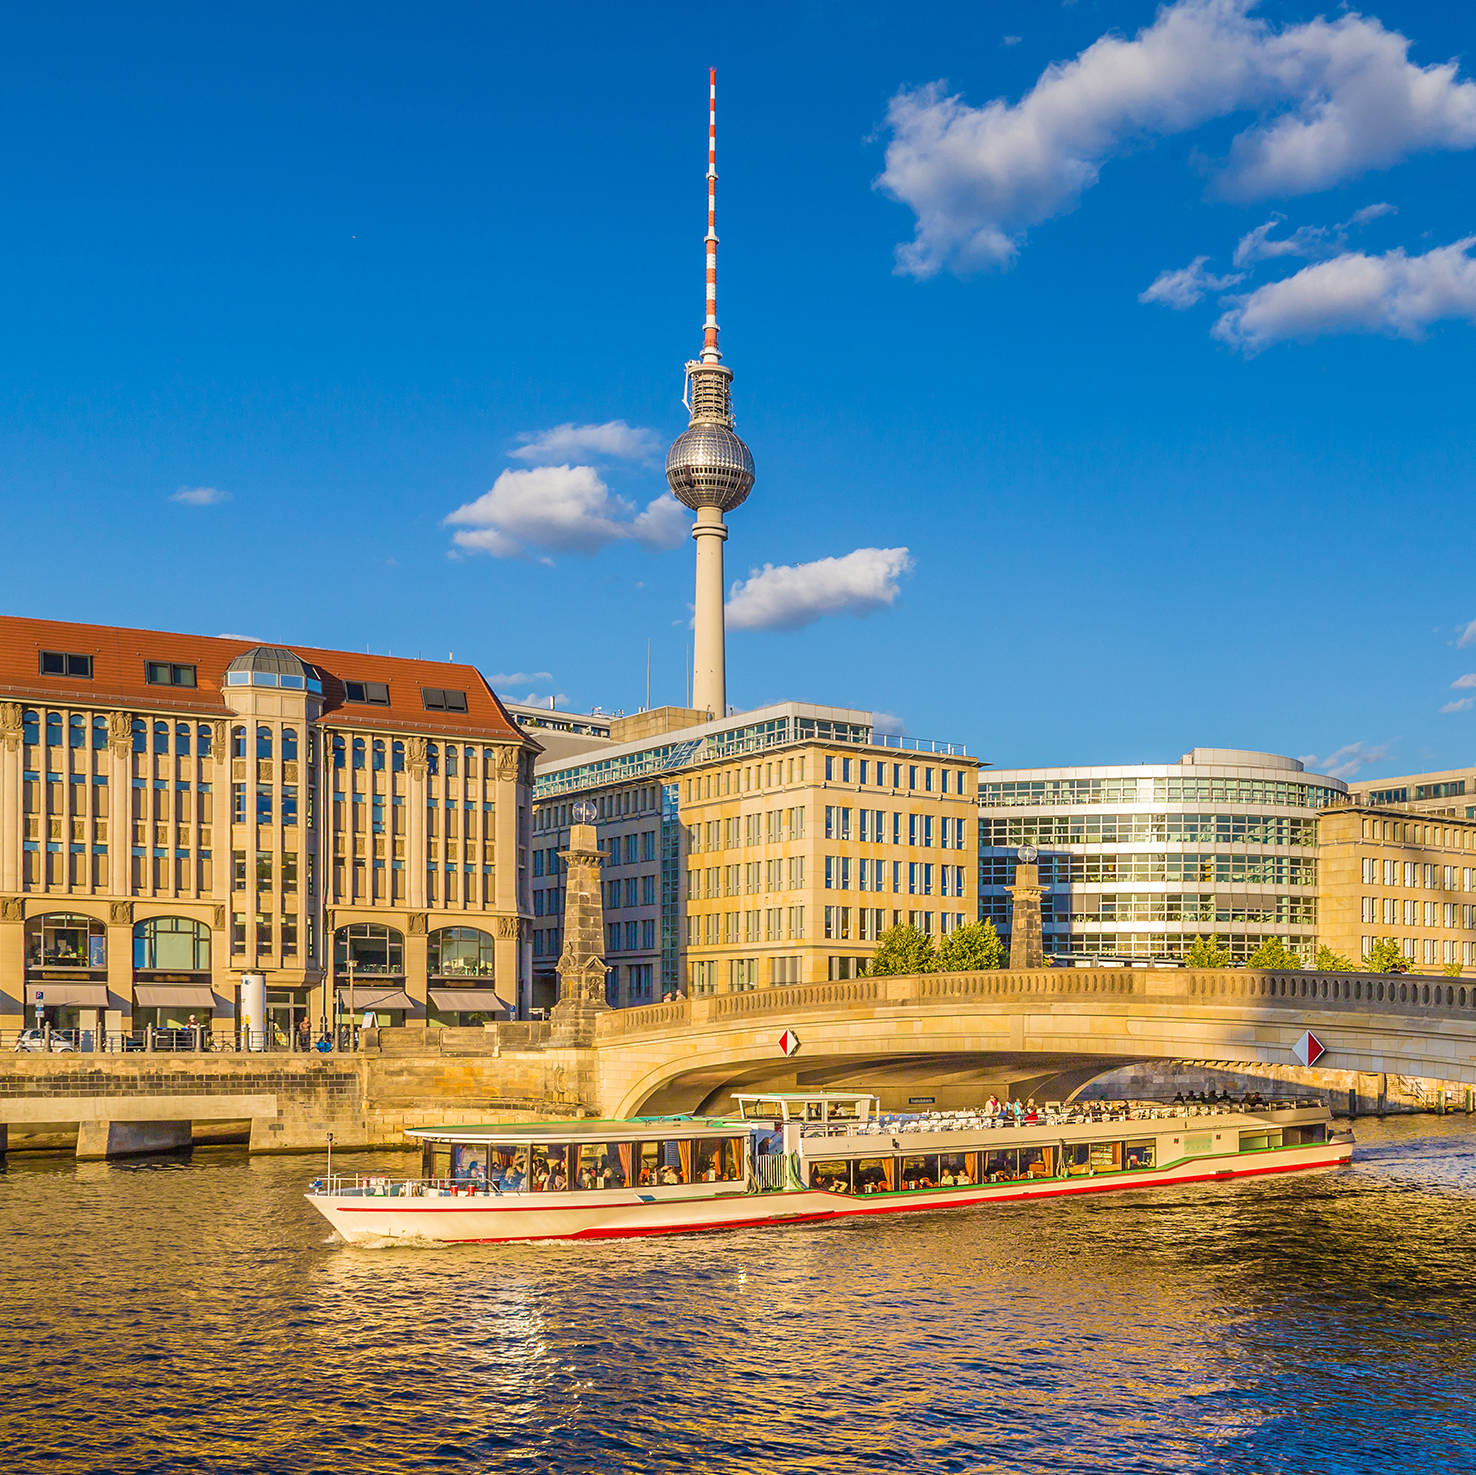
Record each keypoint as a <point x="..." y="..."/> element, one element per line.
<point x="1309" y="1049"/>
<point x="789" y="1042"/>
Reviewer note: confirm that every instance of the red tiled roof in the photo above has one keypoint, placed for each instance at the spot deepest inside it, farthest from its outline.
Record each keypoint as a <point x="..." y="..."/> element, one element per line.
<point x="118" y="657"/>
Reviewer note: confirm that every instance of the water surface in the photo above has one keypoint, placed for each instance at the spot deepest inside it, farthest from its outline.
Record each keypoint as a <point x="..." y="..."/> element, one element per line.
<point x="194" y="1314"/>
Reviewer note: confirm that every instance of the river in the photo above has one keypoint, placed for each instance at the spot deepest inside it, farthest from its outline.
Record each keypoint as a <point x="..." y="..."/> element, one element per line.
<point x="191" y="1313"/>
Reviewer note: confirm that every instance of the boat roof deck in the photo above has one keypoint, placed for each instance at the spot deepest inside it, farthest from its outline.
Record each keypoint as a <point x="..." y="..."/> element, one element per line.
<point x="583" y="1129"/>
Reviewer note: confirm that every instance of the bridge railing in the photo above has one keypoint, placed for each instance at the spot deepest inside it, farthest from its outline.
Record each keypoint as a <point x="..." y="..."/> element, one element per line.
<point x="1417" y="996"/>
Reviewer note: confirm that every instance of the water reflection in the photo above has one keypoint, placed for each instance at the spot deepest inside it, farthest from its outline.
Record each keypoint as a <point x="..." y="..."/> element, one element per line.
<point x="190" y="1313"/>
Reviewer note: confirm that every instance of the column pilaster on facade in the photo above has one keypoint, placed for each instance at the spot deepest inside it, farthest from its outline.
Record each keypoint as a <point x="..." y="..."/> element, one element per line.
<point x="12" y="822"/>
<point x="120" y="956"/>
<point x="415" y="776"/>
<point x="417" y="961"/>
<point x="12" y="965"/>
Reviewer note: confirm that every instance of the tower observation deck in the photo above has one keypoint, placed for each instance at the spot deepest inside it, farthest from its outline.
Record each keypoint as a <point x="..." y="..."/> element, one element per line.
<point x="708" y="467"/>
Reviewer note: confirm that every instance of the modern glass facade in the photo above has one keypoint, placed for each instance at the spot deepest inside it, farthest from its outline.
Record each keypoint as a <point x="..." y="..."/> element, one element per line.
<point x="1137" y="861"/>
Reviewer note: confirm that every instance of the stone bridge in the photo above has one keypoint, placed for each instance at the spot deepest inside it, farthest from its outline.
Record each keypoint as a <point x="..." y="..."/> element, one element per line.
<point x="945" y="1037"/>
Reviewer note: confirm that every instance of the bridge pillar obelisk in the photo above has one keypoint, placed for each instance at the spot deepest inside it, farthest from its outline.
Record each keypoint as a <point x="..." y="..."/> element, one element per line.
<point x="581" y="966"/>
<point x="1027" y="947"/>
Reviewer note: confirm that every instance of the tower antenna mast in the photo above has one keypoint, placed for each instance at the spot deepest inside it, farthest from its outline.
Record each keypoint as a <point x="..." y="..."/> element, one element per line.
<point x="708" y="467"/>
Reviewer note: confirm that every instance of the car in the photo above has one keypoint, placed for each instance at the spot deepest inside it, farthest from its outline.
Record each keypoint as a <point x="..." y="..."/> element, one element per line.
<point x="35" y="1039"/>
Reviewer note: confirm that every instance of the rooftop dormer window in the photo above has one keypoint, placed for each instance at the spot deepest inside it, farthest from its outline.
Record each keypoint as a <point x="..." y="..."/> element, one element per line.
<point x="439" y="699"/>
<point x="168" y="673"/>
<point x="67" y="663"/>
<point x="369" y="693"/>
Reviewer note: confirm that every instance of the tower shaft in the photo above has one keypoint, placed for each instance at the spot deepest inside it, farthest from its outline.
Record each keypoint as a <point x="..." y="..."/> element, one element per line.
<point x="709" y="656"/>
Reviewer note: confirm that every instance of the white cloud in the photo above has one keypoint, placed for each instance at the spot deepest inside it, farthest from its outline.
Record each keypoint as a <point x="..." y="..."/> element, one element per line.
<point x="200" y="496"/>
<point x="1332" y="99"/>
<point x="1347" y="760"/>
<point x="1011" y="40"/>
<point x="518" y="678"/>
<point x="232" y="635"/>
<point x="614" y="440"/>
<point x="1463" y="705"/>
<point x="887" y="724"/>
<point x="789" y="596"/>
<point x="1307" y="240"/>
<point x="1353" y="293"/>
<point x="1184" y="287"/>
<point x="561" y="509"/>
<point x="1467" y="636"/>
<point x="1461" y="683"/>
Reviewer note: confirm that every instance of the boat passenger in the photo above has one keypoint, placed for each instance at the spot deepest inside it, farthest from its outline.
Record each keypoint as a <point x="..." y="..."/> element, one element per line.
<point x="669" y="1175"/>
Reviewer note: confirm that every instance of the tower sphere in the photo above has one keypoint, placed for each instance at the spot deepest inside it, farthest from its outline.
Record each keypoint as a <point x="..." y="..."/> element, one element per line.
<point x="709" y="466"/>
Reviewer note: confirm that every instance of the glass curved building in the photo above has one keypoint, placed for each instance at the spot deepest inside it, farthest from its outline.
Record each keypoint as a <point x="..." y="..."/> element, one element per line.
<point x="1135" y="861"/>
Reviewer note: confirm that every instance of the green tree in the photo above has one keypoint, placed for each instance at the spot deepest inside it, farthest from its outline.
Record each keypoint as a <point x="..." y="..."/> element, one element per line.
<point x="1452" y="970"/>
<point x="1207" y="952"/>
<point x="1275" y="956"/>
<point x="903" y="949"/>
<point x="970" y="948"/>
<point x="1327" y="961"/>
<point x="1385" y="957"/>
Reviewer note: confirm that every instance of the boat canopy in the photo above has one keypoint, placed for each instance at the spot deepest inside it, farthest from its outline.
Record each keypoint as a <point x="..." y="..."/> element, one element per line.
<point x="582" y="1129"/>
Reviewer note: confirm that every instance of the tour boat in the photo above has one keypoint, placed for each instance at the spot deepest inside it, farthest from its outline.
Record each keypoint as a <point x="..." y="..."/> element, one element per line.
<point x="792" y="1157"/>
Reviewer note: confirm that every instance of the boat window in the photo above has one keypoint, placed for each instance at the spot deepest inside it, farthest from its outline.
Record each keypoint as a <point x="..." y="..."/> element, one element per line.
<point x="833" y="1176"/>
<point x="469" y="1162"/>
<point x="1138" y="1154"/>
<point x="814" y="1111"/>
<point x="1001" y="1166"/>
<point x="875" y="1175"/>
<point x="1078" y="1158"/>
<point x="719" y="1159"/>
<point x="1106" y="1157"/>
<point x="548" y="1168"/>
<point x="954" y="1168"/>
<point x="1037" y="1162"/>
<point x="440" y="1160"/>
<point x="920" y="1171"/>
<point x="675" y="1162"/>
<point x="1315" y="1132"/>
<point x="650" y="1153"/>
<point x="604" y="1165"/>
<point x="1259" y="1141"/>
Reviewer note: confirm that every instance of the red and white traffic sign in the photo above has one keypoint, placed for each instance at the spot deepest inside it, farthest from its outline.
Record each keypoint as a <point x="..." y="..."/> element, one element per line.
<point x="789" y="1042"/>
<point x="1309" y="1049"/>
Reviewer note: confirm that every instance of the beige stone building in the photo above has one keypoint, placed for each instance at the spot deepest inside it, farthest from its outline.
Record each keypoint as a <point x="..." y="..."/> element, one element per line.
<point x="771" y="847"/>
<point x="1450" y="792"/>
<point x="1386" y="871"/>
<point x="177" y="811"/>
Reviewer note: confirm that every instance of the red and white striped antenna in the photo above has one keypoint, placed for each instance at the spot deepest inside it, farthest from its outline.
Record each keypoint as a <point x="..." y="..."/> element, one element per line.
<point x="710" y="354"/>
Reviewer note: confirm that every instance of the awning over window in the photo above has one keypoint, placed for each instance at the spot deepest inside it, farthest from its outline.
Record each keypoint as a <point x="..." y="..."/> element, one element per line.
<point x="75" y="995"/>
<point x="389" y="999"/>
<point x="467" y="999"/>
<point x="173" y="995"/>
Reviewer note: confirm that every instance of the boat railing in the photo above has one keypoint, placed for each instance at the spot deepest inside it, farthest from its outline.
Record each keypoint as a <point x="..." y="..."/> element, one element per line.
<point x="379" y="1185"/>
<point x="1053" y="1114"/>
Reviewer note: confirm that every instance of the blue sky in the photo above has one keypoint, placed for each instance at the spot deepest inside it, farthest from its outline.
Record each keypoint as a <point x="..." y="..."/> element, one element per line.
<point x="351" y="267"/>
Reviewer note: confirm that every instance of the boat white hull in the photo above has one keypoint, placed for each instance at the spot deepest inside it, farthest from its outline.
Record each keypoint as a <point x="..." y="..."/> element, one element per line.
<point x="483" y="1219"/>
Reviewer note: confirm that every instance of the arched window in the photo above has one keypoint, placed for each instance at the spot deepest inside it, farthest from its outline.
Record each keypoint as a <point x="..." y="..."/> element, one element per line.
<point x="171" y="945"/>
<point x="337" y="751"/>
<point x="99" y="733"/>
<point x="263" y="742"/>
<point x="202" y="740"/>
<point x="376" y="951"/>
<point x="76" y="731"/>
<point x="358" y="754"/>
<point x="238" y="742"/>
<point x="181" y="739"/>
<point x="161" y="737"/>
<point x="397" y="757"/>
<point x="450" y="760"/>
<point x="64" y="940"/>
<point x="461" y="952"/>
<point x="31" y="725"/>
<point x="140" y="735"/>
<point x="289" y="745"/>
<point x="53" y="730"/>
<point x="378" y="753"/>
<point x="432" y="758"/>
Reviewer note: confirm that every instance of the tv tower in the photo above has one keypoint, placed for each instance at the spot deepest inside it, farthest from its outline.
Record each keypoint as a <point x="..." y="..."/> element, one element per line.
<point x="708" y="467"/>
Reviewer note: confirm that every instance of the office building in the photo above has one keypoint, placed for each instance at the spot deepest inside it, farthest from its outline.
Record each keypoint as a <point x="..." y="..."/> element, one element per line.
<point x="1137" y="860"/>
<point x="1450" y="793"/>
<point x="178" y="810"/>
